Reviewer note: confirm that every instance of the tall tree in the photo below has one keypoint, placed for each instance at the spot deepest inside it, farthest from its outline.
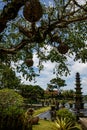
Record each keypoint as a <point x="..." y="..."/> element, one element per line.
<point x="58" y="82"/>
<point x="8" y="78"/>
<point x="28" y="27"/>
<point x="32" y="93"/>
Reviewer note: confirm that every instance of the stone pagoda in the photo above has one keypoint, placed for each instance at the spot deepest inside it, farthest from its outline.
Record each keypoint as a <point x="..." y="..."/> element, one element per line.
<point x="78" y="95"/>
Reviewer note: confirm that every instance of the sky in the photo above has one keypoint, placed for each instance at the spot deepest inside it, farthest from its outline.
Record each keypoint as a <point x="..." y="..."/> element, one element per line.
<point x="47" y="74"/>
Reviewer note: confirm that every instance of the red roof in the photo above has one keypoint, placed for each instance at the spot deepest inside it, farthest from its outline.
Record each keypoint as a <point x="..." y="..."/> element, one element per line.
<point x="55" y="92"/>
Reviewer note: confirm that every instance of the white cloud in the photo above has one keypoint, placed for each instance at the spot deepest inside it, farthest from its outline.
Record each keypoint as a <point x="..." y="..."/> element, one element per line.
<point x="47" y="74"/>
<point x="71" y="79"/>
<point x="84" y="85"/>
<point x="81" y="2"/>
<point x="79" y="67"/>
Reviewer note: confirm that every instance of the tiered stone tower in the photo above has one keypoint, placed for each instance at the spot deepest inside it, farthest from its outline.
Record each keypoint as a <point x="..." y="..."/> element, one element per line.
<point x="78" y="96"/>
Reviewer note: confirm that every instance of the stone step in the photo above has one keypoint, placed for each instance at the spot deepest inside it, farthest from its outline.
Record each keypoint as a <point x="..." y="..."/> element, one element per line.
<point x="83" y="121"/>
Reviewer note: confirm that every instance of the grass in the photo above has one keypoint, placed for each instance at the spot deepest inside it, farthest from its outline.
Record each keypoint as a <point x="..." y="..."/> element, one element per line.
<point x="41" y="110"/>
<point x="44" y="125"/>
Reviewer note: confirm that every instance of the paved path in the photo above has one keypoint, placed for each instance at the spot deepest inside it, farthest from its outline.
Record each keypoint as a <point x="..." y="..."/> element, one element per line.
<point x="45" y="115"/>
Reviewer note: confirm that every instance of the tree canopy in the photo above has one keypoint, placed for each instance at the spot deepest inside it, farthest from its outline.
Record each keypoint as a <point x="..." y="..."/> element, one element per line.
<point x="29" y="27"/>
<point x="58" y="82"/>
<point x="32" y="93"/>
<point x="8" y="78"/>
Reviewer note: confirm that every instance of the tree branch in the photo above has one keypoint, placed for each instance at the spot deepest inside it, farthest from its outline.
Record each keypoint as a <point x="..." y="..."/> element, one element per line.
<point x="63" y="22"/>
<point x="81" y="7"/>
<point x="9" y="12"/>
<point x="14" y="49"/>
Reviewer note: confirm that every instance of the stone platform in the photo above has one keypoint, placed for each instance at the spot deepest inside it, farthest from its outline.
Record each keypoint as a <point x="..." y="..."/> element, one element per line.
<point x="83" y="122"/>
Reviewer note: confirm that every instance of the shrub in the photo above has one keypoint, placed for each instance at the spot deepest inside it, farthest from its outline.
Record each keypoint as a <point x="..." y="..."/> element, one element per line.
<point x="65" y="113"/>
<point x="64" y="124"/>
<point x="11" y="111"/>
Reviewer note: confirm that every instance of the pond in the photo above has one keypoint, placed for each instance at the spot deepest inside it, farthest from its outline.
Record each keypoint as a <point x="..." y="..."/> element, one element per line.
<point x="82" y="111"/>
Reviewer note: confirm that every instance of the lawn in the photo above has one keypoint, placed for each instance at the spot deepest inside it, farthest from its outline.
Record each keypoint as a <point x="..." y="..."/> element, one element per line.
<point x="41" y="110"/>
<point x="44" y="125"/>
